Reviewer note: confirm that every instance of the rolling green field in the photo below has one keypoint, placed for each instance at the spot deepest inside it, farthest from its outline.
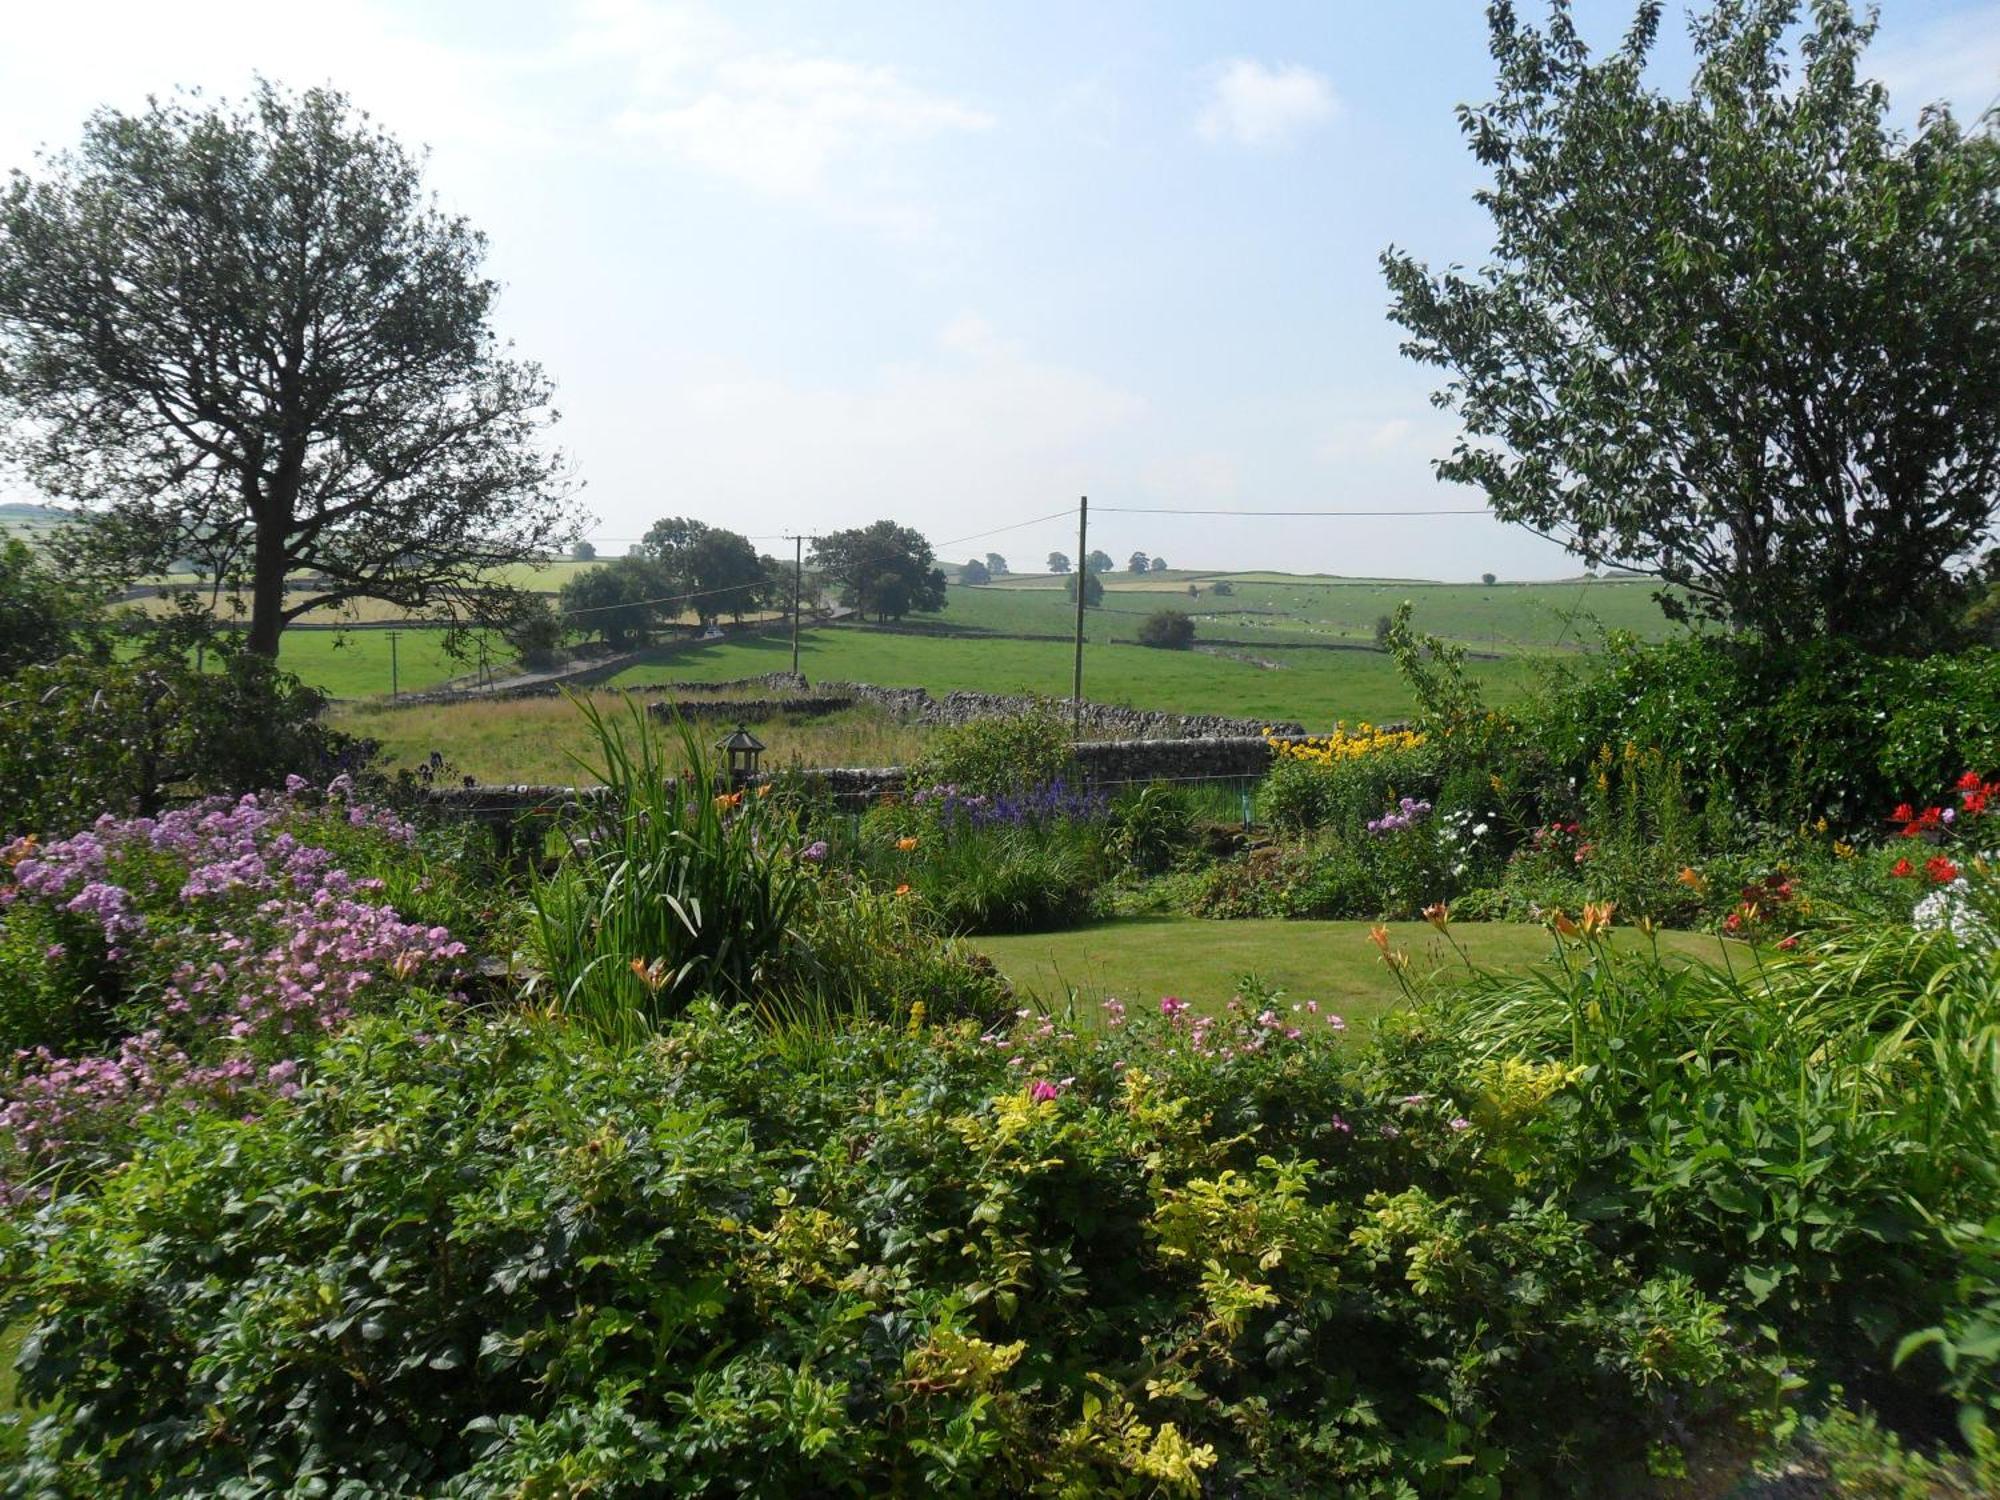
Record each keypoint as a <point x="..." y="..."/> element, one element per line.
<point x="1303" y="645"/>
<point x="1139" y="959"/>
<point x="355" y="663"/>
<point x="1321" y="610"/>
<point x="1316" y="689"/>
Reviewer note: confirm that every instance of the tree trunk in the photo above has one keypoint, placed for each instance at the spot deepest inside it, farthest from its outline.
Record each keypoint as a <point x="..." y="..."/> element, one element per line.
<point x="267" y="590"/>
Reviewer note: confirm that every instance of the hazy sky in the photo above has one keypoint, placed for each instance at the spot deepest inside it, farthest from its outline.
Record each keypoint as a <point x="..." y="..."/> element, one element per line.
<point x="802" y="266"/>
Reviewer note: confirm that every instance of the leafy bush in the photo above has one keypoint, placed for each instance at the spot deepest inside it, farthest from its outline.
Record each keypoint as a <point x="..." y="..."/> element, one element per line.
<point x="1810" y="1139"/>
<point x="1784" y="736"/>
<point x="500" y="1257"/>
<point x="1344" y="792"/>
<point x="79" y="736"/>
<point x="1167" y="629"/>
<point x="998" y="756"/>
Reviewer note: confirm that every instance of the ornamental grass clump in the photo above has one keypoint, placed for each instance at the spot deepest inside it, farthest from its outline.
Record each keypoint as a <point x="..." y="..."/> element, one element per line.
<point x="672" y="884"/>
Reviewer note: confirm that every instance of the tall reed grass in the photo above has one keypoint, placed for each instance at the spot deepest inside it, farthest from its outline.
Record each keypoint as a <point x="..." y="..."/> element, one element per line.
<point x="672" y="886"/>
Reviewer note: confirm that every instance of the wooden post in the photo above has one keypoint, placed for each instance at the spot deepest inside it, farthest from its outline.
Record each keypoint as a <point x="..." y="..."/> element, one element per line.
<point x="1082" y="586"/>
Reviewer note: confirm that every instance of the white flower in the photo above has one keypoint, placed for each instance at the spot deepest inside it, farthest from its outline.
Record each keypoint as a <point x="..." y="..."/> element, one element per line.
<point x="1479" y="830"/>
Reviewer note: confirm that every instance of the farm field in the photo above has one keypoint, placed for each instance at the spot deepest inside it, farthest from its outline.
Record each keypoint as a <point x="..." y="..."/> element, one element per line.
<point x="1140" y="959"/>
<point x="1315" y="690"/>
<point x="355" y="663"/>
<point x="1319" y="610"/>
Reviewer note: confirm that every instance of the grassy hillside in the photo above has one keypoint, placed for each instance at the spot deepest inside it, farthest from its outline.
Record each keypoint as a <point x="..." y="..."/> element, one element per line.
<point x="1316" y="688"/>
<point x="1320" y="610"/>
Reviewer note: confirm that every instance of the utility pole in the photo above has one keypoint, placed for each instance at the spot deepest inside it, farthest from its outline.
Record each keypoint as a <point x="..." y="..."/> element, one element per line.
<point x="392" y="665"/>
<point x="798" y="580"/>
<point x="1082" y="588"/>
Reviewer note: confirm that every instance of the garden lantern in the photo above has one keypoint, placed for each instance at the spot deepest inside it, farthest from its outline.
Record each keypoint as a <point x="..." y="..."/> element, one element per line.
<point x="743" y="748"/>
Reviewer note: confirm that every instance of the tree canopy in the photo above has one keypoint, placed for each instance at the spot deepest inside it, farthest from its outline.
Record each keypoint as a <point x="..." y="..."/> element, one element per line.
<point x="1093" y="589"/>
<point x="719" y="570"/>
<point x="885" y="570"/>
<point x="1099" y="562"/>
<point x="245" y="336"/>
<point x="1058" y="562"/>
<point x="1746" y="341"/>
<point x="975" y="572"/>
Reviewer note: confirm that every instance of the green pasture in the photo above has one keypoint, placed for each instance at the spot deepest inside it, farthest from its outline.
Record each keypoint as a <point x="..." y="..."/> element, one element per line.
<point x="1311" y="609"/>
<point x="1315" y="689"/>
<point x="355" y="663"/>
<point x="1139" y="959"/>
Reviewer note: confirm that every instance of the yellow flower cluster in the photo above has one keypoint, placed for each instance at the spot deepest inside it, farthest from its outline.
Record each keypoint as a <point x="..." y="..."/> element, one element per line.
<point x="1343" y="743"/>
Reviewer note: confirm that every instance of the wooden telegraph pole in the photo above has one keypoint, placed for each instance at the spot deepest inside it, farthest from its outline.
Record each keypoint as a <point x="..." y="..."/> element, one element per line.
<point x="1082" y="585"/>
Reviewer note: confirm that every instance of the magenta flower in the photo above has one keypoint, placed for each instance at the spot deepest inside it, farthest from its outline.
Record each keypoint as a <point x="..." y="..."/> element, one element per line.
<point x="1042" y="1091"/>
<point x="1172" y="1007"/>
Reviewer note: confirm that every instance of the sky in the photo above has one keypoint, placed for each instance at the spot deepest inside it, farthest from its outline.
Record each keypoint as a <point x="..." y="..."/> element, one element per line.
<point x="797" y="267"/>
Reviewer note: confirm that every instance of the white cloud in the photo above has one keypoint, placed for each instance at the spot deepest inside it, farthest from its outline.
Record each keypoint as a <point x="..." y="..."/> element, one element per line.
<point x="778" y="123"/>
<point x="1956" y="58"/>
<point x="1252" y="105"/>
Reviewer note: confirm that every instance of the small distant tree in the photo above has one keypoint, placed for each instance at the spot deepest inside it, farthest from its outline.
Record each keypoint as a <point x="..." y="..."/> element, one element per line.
<point x="583" y="552"/>
<point x="1488" y="579"/>
<point x="1099" y="562"/>
<point x="1385" y="627"/>
<point x="996" y="565"/>
<point x="1093" y="589"/>
<point x="1159" y="565"/>
<point x="1222" y="588"/>
<point x="1194" y="591"/>
<point x="1743" y="340"/>
<point x="885" y="570"/>
<point x="1058" y="562"/>
<point x="1167" y="629"/>
<point x="975" y="572"/>
<point x="1138" y="562"/>
<point x="534" y="630"/>
<point x="611" y="602"/>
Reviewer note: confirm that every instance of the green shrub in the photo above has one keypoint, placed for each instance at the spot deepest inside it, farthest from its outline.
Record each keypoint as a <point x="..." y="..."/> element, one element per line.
<point x="1008" y="878"/>
<point x="489" y="1256"/>
<point x="1299" y="794"/>
<point x="992" y="757"/>
<point x="1783" y="736"/>
<point x="79" y="736"/>
<point x="1167" y="629"/>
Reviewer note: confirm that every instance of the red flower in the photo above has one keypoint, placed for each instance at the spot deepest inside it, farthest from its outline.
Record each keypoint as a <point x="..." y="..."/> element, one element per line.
<point x="1903" y="813"/>
<point x="1903" y="869"/>
<point x="1787" y="944"/>
<point x="1969" y="782"/>
<point x="1941" y="870"/>
<point x="1975" y="801"/>
<point x="1733" y="922"/>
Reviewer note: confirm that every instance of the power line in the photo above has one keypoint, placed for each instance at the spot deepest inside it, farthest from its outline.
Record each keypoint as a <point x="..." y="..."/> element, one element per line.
<point x="1162" y="510"/>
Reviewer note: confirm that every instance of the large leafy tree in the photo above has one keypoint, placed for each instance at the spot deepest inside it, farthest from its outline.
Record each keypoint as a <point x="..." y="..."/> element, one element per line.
<point x="1747" y="341"/>
<point x="247" y="337"/>
<point x="885" y="570"/>
<point x="718" y="570"/>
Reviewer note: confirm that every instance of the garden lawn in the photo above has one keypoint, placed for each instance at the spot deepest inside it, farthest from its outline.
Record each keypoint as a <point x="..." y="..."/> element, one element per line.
<point x="1139" y="959"/>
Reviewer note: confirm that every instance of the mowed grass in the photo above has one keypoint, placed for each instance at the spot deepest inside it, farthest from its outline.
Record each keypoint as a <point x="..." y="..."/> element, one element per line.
<point x="1139" y="959"/>
<point x="540" y="741"/>
<point x="1315" y="688"/>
